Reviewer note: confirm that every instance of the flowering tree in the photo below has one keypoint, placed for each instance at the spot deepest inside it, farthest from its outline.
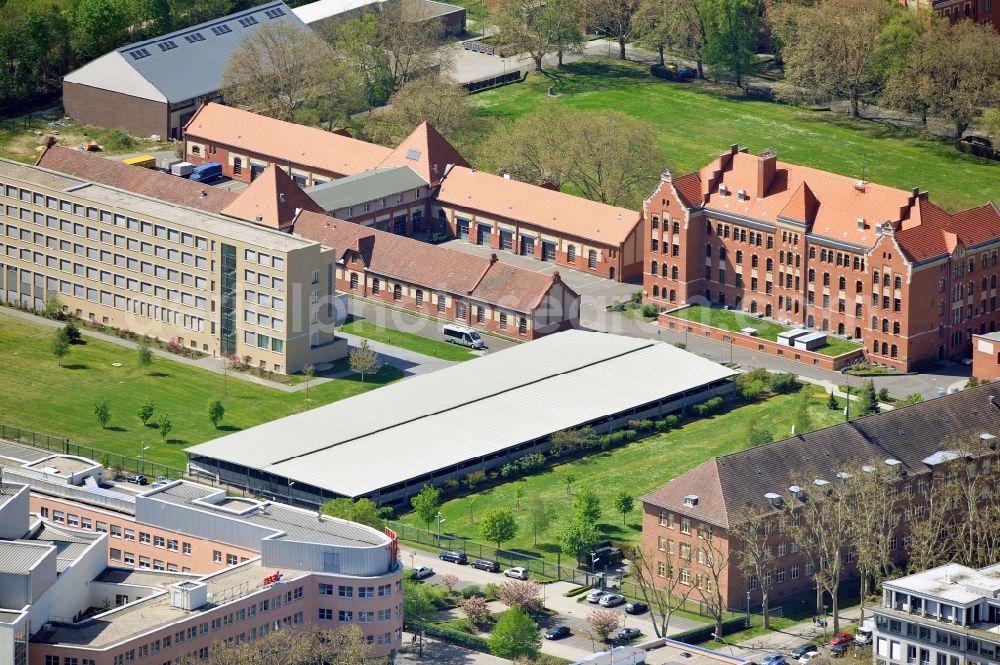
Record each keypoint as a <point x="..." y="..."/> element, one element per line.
<point x="449" y="581"/>
<point x="475" y="608"/>
<point x="604" y="622"/>
<point x="523" y="594"/>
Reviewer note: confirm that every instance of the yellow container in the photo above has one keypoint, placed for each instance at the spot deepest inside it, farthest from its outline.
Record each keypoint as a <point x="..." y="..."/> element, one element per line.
<point x="145" y="161"/>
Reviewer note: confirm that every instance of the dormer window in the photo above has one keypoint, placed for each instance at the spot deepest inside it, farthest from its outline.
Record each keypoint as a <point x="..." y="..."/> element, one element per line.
<point x="741" y="194"/>
<point x="723" y="190"/>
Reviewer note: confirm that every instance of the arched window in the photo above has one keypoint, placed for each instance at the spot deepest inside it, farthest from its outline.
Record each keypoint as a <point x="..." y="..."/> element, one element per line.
<point x="753" y="306"/>
<point x="885" y="348"/>
<point x="739" y="257"/>
<point x="675" y="272"/>
<point x="859" y="287"/>
<point x="857" y="333"/>
<point x="656" y="291"/>
<point x="754" y="261"/>
<point x="842" y="283"/>
<point x="810" y="321"/>
<point x="895" y="327"/>
<point x="663" y="269"/>
<point x="739" y="302"/>
<point x="840" y="328"/>
<point x="826" y="279"/>
<point x="894" y="351"/>
<point x="875" y="346"/>
<point x="812" y="275"/>
<point x="767" y="310"/>
<point x="654" y="268"/>
<point x="885" y="325"/>
<point x="770" y="264"/>
<point x="874" y="323"/>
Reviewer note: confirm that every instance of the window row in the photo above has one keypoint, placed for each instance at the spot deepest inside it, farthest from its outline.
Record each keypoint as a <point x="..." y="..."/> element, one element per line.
<point x="261" y="258"/>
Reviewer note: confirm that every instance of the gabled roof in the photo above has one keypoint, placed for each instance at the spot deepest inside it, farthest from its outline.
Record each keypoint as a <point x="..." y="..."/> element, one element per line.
<point x="932" y="232"/>
<point x="432" y="267"/>
<point x="180" y="65"/>
<point x="272" y="199"/>
<point x="366" y="186"/>
<point x="148" y="182"/>
<point x="495" y="195"/>
<point x="285" y="142"/>
<point x="802" y="206"/>
<point x="913" y="435"/>
<point x="426" y="152"/>
<point x="689" y="187"/>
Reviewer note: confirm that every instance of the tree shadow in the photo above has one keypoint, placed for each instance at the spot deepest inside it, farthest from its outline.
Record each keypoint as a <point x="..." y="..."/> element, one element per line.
<point x="158" y="375"/>
<point x="229" y="428"/>
<point x="550" y="548"/>
<point x="116" y="428"/>
<point x="76" y="366"/>
<point x="176" y="442"/>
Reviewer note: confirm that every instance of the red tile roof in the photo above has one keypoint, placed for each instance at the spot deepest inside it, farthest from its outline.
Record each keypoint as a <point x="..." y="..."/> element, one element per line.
<point x="933" y="232"/>
<point x="432" y="267"/>
<point x="147" y="182"/>
<point x="272" y="199"/>
<point x="285" y="142"/>
<point x="560" y="213"/>
<point x="427" y="153"/>
<point x="689" y="187"/>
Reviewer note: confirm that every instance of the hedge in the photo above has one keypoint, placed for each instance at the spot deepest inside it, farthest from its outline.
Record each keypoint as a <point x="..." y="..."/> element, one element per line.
<point x="457" y="637"/>
<point x="709" y="406"/>
<point x="704" y="633"/>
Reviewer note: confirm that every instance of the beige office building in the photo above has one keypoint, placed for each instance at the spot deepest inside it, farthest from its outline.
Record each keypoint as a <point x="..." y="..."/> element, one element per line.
<point x="219" y="285"/>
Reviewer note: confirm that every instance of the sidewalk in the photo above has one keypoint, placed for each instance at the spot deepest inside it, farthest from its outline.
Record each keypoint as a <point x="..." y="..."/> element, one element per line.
<point x="785" y="640"/>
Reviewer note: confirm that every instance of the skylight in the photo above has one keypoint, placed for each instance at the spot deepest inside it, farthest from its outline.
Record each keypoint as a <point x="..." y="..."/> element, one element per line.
<point x="139" y="54"/>
<point x="274" y="13"/>
<point x="221" y="29"/>
<point x="413" y="154"/>
<point x="247" y="21"/>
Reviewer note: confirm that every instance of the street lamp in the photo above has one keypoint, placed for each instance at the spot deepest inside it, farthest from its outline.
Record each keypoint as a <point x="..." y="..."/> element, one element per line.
<point x="413" y="565"/>
<point x="142" y="454"/>
<point x="291" y="483"/>
<point x="440" y="519"/>
<point x="748" y="609"/>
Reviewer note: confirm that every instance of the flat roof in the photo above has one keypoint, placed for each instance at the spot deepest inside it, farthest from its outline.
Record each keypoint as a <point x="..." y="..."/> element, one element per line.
<point x="366" y="186"/>
<point x="995" y="336"/>
<point x="323" y="9"/>
<point x="952" y="582"/>
<point x="287" y="522"/>
<point x="62" y="464"/>
<point x="358" y="445"/>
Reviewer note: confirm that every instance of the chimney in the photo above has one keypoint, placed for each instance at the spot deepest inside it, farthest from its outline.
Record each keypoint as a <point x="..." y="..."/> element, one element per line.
<point x="281" y="198"/>
<point x="556" y="277"/>
<point x="493" y="258"/>
<point x="767" y="163"/>
<point x="861" y="223"/>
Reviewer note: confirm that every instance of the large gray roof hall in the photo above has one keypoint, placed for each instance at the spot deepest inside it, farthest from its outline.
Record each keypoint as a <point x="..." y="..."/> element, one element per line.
<point x="181" y="65"/>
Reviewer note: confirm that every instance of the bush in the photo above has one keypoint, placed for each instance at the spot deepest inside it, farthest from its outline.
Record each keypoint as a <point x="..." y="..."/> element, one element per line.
<point x="635" y="297"/>
<point x="752" y="390"/>
<point x="576" y="591"/>
<point x="616" y="306"/>
<point x="650" y="311"/>
<point x="782" y="383"/>
<point x="492" y="590"/>
<point x="471" y="590"/>
<point x="73" y="333"/>
<point x="673" y="421"/>
<point x="661" y="425"/>
<point x="640" y="425"/>
<point x="118" y="141"/>
<point x="883" y="395"/>
<point x="456" y="637"/>
<point x="680" y="345"/>
<point x="510" y="470"/>
<point x="532" y="462"/>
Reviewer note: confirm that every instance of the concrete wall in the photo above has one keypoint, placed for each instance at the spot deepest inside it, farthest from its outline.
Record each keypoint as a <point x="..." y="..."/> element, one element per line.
<point x="68" y="595"/>
<point x="104" y="108"/>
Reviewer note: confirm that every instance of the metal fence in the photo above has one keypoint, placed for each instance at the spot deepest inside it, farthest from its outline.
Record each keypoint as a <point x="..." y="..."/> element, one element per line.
<point x="107" y="458"/>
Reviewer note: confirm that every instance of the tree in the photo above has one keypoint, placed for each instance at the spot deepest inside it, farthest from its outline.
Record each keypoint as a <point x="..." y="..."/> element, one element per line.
<point x="528" y="150"/>
<point x="293" y="646"/>
<point x="149" y="18"/>
<point x="520" y="28"/>
<point x="53" y="307"/>
<point x="144" y="356"/>
<point x="560" y="25"/>
<point x="757" y="435"/>
<point x="522" y="593"/>
<point x="687" y="26"/>
<point x="587" y="506"/>
<point x="309" y="371"/>
<point x="98" y="27"/>
<point x="538" y="516"/>
<point x="951" y="71"/>
<point x="470" y="502"/>
<point x="732" y="34"/>
<point x="604" y="622"/>
<point x="426" y="503"/>
<point x="60" y="345"/>
<point x="569" y="479"/>
<point x="277" y="70"/>
<point x="867" y="402"/>
<point x="829" y="47"/>
<point x="448" y="581"/>
<point x="363" y="511"/>
<point x="497" y="526"/>
<point x="358" y="39"/>
<point x="654" y="26"/>
<point x="363" y="360"/>
<point x="476" y="609"/>
<point x="73" y="333"/>
<point x="616" y="16"/>
<point x="802" y="421"/>
<point x="102" y="411"/>
<point x="417" y="605"/>
<point x="662" y="597"/>
<point x="164" y="425"/>
<point x="409" y="34"/>
<point x="751" y="529"/>
<point x="519" y="493"/>
<point x="579" y="538"/>
<point x="437" y="100"/>
<point x="971" y="490"/>
<point x="624" y="504"/>
<point x="710" y="583"/>
<point x="831" y="402"/>
<point x="876" y="520"/>
<point x="145" y="411"/>
<point x="818" y="525"/>
<point x="215" y="412"/>
<point x="515" y="636"/>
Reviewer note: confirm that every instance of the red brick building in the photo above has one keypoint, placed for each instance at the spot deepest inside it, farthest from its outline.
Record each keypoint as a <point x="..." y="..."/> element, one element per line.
<point x="471" y="290"/>
<point x="687" y="522"/>
<point x="810" y="248"/>
<point x="980" y="11"/>
<point x="986" y="356"/>
<point x="456" y="199"/>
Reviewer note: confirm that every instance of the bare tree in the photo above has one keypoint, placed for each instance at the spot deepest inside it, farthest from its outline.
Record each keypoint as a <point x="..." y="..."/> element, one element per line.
<point x="437" y="100"/>
<point x="817" y="519"/>
<point x="521" y="29"/>
<point x="713" y="556"/>
<point x="751" y="526"/>
<point x="663" y="599"/>
<point x="927" y="541"/>
<point x="971" y="493"/>
<point x="875" y="523"/>
<point x="617" y="16"/>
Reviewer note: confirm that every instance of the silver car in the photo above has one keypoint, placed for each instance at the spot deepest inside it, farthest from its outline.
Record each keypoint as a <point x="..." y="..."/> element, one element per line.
<point x="612" y="600"/>
<point x="595" y="595"/>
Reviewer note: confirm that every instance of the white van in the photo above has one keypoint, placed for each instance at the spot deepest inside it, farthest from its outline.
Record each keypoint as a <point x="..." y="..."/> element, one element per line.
<point x="464" y="336"/>
<point x="863" y="636"/>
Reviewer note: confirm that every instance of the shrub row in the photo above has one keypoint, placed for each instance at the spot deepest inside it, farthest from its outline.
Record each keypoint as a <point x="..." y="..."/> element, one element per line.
<point x="523" y="466"/>
<point x="709" y="406"/>
<point x="704" y="633"/>
<point x="456" y="637"/>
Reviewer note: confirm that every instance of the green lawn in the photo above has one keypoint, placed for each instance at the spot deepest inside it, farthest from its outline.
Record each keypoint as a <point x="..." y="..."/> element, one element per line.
<point x="639" y="467"/>
<point x="734" y="321"/>
<point x="406" y="340"/>
<point x="695" y="122"/>
<point x="41" y="396"/>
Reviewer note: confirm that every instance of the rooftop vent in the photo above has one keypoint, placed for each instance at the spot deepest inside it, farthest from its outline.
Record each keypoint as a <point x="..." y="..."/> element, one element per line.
<point x="773" y="499"/>
<point x="691" y="500"/>
<point x="723" y="190"/>
<point x="281" y="197"/>
<point x="860" y="185"/>
<point x="896" y="466"/>
<point x="868" y="468"/>
<point x="843" y="475"/>
<point x="741" y="194"/>
<point x="861" y="223"/>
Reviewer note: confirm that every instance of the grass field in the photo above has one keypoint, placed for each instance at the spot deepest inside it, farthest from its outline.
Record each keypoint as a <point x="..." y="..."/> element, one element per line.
<point x="639" y="467"/>
<point x="405" y="340"/>
<point x="695" y="122"/>
<point x="41" y="396"/>
<point x="734" y="321"/>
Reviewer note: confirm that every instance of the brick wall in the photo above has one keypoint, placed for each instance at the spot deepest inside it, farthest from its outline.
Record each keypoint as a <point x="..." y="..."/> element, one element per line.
<point x="104" y="108"/>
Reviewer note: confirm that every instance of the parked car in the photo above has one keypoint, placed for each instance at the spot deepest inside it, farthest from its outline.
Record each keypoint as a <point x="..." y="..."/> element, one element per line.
<point x="773" y="659"/>
<point x="611" y="600"/>
<point x="595" y="595"/>
<point x="636" y="608"/>
<point x="161" y="481"/>
<point x="517" y="572"/>
<point x="557" y="633"/>
<point x="838" y="650"/>
<point x="843" y="637"/>
<point x="421" y="572"/>
<point x="437" y="237"/>
<point x="453" y="556"/>
<point x="803" y="649"/>
<point x="628" y="634"/>
<point x="487" y="565"/>
<point x="137" y="479"/>
<point x="808" y="657"/>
